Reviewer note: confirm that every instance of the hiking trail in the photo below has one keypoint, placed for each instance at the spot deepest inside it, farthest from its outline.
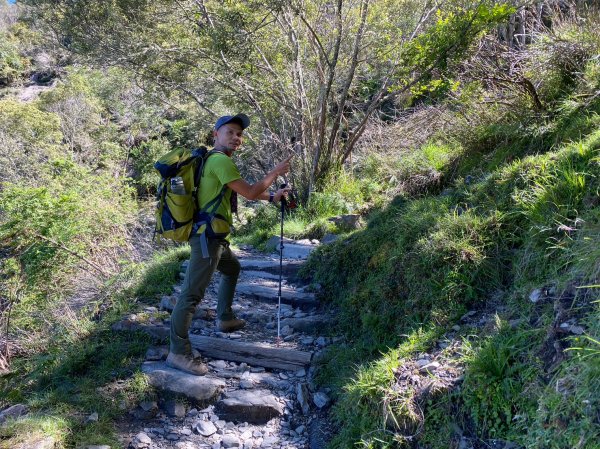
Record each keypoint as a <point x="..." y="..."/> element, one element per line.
<point x="258" y="393"/>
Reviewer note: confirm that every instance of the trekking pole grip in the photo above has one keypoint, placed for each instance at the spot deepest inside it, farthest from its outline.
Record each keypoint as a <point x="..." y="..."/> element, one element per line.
<point x="283" y="199"/>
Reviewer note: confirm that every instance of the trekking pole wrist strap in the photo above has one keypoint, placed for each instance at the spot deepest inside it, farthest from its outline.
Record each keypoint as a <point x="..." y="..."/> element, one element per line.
<point x="271" y="196"/>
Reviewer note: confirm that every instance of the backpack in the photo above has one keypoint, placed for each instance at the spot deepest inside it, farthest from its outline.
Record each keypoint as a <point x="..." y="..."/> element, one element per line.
<point x="177" y="214"/>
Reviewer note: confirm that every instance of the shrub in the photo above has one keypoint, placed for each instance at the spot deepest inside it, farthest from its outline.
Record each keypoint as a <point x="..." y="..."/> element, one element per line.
<point x="78" y="221"/>
<point x="500" y="388"/>
<point x="143" y="158"/>
<point x="29" y="138"/>
<point x="12" y="64"/>
<point x="567" y="408"/>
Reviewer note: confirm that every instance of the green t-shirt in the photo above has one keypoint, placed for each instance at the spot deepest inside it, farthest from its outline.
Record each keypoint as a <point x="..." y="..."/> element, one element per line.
<point x="218" y="171"/>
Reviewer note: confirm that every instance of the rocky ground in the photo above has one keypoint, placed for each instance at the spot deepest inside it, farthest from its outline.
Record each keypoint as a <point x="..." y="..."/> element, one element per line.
<point x="259" y="392"/>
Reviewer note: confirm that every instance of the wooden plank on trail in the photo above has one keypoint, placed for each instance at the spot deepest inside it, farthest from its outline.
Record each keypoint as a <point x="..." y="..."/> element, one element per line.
<point x="254" y="354"/>
<point x="270" y="293"/>
<point x="289" y="267"/>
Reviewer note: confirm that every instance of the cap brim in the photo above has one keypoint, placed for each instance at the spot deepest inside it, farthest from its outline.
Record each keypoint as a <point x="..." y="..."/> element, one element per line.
<point x="242" y="119"/>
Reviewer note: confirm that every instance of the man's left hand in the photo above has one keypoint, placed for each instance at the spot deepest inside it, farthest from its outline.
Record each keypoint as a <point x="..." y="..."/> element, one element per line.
<point x="281" y="193"/>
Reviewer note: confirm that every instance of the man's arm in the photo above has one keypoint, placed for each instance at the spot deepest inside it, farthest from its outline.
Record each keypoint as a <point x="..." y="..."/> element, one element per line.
<point x="258" y="191"/>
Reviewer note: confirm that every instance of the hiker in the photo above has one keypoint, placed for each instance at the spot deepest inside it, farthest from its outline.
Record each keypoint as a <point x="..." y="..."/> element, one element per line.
<point x="210" y="254"/>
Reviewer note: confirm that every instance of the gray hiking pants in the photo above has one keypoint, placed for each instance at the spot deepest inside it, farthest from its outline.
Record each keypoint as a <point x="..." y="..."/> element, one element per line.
<point x="197" y="277"/>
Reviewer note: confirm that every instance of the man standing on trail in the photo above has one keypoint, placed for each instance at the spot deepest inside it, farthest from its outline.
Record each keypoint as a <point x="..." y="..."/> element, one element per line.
<point x="219" y="171"/>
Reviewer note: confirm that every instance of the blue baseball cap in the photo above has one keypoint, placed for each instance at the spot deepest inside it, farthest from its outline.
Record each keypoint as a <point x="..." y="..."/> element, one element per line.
<point x="240" y="119"/>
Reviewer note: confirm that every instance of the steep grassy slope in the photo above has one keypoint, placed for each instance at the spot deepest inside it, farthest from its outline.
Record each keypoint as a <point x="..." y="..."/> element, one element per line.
<point x="423" y="263"/>
<point x="486" y="263"/>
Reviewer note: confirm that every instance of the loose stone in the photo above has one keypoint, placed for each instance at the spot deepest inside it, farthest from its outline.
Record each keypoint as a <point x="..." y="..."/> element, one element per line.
<point x="205" y="428"/>
<point x="320" y="399"/>
<point x="230" y="441"/>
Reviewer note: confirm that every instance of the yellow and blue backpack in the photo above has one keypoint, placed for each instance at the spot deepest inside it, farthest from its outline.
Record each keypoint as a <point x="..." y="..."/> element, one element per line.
<point x="177" y="214"/>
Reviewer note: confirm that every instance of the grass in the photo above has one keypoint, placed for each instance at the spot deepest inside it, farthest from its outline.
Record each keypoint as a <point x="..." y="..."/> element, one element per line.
<point x="367" y="406"/>
<point x="86" y="367"/>
<point x="565" y="415"/>
<point x="423" y="261"/>
<point x="500" y="387"/>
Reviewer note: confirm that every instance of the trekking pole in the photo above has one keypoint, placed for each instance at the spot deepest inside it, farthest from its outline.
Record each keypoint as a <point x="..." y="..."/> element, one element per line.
<point x="283" y="203"/>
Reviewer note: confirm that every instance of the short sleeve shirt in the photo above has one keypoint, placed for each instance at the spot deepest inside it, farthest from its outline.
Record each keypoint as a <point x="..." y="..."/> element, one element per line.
<point x="219" y="170"/>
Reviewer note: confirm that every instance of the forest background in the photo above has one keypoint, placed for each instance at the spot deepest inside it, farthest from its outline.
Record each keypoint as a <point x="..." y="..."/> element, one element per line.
<point x="464" y="133"/>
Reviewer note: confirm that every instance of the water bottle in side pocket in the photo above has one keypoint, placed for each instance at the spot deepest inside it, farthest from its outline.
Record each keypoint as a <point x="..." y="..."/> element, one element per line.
<point x="177" y="186"/>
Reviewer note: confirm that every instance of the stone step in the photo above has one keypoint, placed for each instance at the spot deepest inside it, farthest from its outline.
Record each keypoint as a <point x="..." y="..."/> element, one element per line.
<point x="295" y="251"/>
<point x="204" y="390"/>
<point x="254" y="354"/>
<point x="270" y="293"/>
<point x="292" y="249"/>
<point x="252" y="406"/>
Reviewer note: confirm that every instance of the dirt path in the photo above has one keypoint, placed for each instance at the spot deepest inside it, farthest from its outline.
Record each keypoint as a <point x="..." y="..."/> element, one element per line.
<point x="245" y="400"/>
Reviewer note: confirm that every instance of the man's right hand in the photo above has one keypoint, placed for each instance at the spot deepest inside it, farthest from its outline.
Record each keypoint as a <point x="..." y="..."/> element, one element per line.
<point x="283" y="167"/>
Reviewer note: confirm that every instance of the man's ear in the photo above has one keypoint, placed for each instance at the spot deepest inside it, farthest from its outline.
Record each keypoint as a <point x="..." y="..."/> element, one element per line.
<point x="215" y="133"/>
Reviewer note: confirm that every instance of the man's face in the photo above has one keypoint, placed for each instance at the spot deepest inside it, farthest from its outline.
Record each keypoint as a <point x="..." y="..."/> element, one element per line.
<point x="229" y="137"/>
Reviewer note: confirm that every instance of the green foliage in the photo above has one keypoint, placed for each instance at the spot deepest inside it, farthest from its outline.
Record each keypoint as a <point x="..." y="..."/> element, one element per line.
<point x="343" y="193"/>
<point x="77" y="223"/>
<point x="566" y="414"/>
<point x="30" y="137"/>
<point x="91" y="139"/>
<point x="12" y="64"/>
<point x="421" y="260"/>
<point x="77" y="211"/>
<point x="283" y="42"/>
<point x="98" y="373"/>
<point x="258" y="225"/>
<point x="427" y="260"/>
<point x="367" y="402"/>
<point x="86" y="367"/>
<point x="546" y="196"/>
<point x="499" y="388"/>
<point x="143" y="157"/>
<point x="449" y="38"/>
<point x="159" y="274"/>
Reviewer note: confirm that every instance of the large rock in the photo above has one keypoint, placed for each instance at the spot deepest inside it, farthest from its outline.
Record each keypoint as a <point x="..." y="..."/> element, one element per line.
<point x="203" y="389"/>
<point x="292" y="249"/>
<point x="14" y="411"/>
<point x="349" y="221"/>
<point x="37" y="443"/>
<point x="133" y="323"/>
<point x="273" y="243"/>
<point x="296" y="251"/>
<point x="253" y="406"/>
<point x="307" y="324"/>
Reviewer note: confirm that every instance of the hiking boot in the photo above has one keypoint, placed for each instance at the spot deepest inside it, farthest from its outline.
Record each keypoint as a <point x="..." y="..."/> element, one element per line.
<point x="187" y="363"/>
<point x="230" y="325"/>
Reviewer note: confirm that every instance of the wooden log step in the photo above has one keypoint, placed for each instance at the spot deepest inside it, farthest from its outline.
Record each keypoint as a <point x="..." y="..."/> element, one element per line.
<point x="254" y="354"/>
<point x="270" y="293"/>
<point x="262" y="275"/>
<point x="290" y="267"/>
